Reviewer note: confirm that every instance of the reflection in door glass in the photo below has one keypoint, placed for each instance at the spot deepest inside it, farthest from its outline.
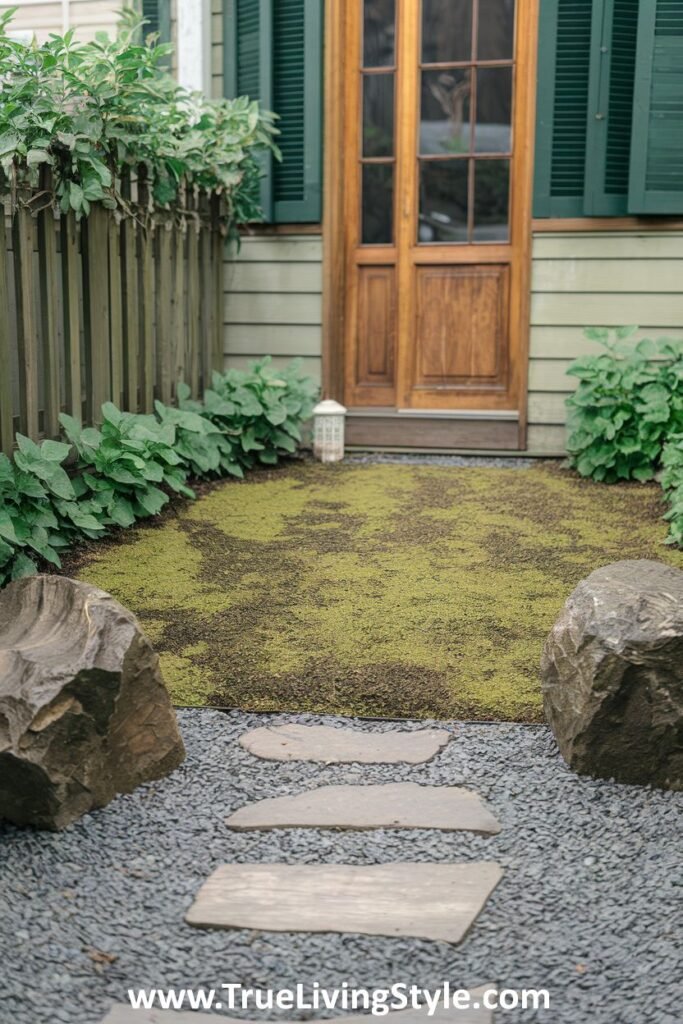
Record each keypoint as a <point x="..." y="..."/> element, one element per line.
<point x="494" y="110"/>
<point x="496" y="29"/>
<point x="491" y="200"/>
<point x="443" y="201"/>
<point x="378" y="115"/>
<point x="379" y="33"/>
<point x="446" y="31"/>
<point x="445" y="112"/>
<point x="378" y="202"/>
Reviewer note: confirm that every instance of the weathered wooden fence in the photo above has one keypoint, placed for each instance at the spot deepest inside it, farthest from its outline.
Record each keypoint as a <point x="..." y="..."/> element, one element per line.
<point x="119" y="306"/>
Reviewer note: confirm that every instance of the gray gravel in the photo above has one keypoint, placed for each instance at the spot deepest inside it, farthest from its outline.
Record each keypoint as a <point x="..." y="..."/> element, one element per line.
<point x="588" y="907"/>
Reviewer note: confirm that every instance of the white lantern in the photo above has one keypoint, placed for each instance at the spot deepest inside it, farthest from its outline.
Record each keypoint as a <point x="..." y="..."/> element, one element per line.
<point x="328" y="431"/>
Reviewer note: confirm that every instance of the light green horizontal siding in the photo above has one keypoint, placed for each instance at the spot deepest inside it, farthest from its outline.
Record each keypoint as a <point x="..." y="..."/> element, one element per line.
<point x="216" y="48"/>
<point x="280" y="277"/>
<point x="600" y="276"/>
<point x="608" y="245"/>
<point x="593" y="280"/>
<point x="277" y="249"/>
<point x="270" y="339"/>
<point x="273" y="301"/>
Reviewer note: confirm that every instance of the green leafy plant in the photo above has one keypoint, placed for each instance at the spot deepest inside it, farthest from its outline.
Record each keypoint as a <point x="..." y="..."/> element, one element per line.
<point x="628" y="402"/>
<point x="127" y="467"/>
<point x="55" y="494"/>
<point x="39" y="510"/>
<point x="672" y="482"/>
<point x="91" y="110"/>
<point x="207" y="450"/>
<point x="262" y="408"/>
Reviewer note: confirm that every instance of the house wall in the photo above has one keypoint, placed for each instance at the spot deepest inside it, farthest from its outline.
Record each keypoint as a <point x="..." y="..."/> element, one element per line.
<point x="602" y="279"/>
<point x="273" y="300"/>
<point x="273" y="305"/>
<point x="86" y="16"/>
<point x="216" y="48"/>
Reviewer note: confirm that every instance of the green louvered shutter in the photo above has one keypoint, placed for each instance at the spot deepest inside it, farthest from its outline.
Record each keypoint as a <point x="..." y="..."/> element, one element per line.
<point x="610" y="107"/>
<point x="273" y="53"/>
<point x="562" y="107"/>
<point x="656" y="177"/>
<point x="297" y="98"/>
<point x="158" y="16"/>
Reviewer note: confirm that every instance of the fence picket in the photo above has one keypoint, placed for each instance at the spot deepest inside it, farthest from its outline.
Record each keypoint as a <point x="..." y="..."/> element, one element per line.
<point x="179" y="307"/>
<point x="6" y="392"/>
<point x="71" y="274"/>
<point x="217" y="243"/>
<point x="131" y="312"/>
<point x="27" y="340"/>
<point x="117" y="307"/>
<point x="205" y="279"/>
<point x="193" y="313"/>
<point x="146" y="294"/>
<point x="49" y="312"/>
<point x="96" y="304"/>
<point x="164" y="311"/>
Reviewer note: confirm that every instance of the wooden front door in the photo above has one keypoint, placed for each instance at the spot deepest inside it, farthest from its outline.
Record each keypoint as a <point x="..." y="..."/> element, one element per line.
<point x="437" y="163"/>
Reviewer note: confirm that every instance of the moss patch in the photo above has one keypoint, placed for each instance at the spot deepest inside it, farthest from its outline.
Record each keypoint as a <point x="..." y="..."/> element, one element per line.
<point x="393" y="590"/>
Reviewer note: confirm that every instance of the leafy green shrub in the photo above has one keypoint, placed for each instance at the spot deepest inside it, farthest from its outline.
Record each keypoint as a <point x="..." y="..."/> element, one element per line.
<point x="672" y="483"/>
<point x="121" y="464"/>
<point x="91" y="110"/>
<point x="629" y="401"/>
<point x="53" y="494"/>
<point x="39" y="510"/>
<point x="261" y="409"/>
<point x="206" y="450"/>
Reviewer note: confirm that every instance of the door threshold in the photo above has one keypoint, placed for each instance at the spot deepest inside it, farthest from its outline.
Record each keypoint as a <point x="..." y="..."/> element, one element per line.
<point x="463" y="414"/>
<point x="425" y="429"/>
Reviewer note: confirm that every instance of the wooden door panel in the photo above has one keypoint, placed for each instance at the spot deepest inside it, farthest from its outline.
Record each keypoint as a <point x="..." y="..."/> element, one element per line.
<point x="437" y="160"/>
<point x="371" y="348"/>
<point x="461" y="324"/>
<point x="376" y="326"/>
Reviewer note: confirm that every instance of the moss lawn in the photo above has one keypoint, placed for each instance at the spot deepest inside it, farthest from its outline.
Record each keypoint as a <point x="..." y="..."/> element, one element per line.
<point x="381" y="590"/>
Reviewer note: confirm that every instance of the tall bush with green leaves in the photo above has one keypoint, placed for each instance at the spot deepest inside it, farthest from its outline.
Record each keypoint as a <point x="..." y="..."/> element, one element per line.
<point x="261" y="409"/>
<point x="128" y="466"/>
<point x="672" y="482"/>
<point x="55" y="494"/>
<point x="90" y="110"/>
<point x="40" y="513"/>
<point x="628" y="403"/>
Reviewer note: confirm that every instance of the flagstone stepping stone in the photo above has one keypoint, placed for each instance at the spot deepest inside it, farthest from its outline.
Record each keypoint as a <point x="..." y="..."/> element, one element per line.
<point x="428" y="901"/>
<point x="122" y="1014"/>
<point x="396" y="805"/>
<point x="344" y="746"/>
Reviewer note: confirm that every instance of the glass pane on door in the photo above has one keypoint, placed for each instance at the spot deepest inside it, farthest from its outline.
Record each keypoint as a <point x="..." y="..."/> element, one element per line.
<point x="496" y="29"/>
<point x="491" y="201"/>
<point x="466" y="106"/>
<point x="378" y="115"/>
<point x="378" y="204"/>
<point x="493" y="132"/>
<point x="445" y="119"/>
<point x="446" y="31"/>
<point x="443" y="200"/>
<point x="379" y="34"/>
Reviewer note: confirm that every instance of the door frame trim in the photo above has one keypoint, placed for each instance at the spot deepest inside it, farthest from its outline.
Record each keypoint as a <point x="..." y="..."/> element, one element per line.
<point x="335" y="194"/>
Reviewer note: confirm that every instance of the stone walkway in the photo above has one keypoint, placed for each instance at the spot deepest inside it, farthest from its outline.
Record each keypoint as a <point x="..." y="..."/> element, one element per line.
<point x="431" y="901"/>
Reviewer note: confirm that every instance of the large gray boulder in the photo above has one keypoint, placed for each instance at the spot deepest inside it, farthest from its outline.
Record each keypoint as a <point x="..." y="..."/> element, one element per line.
<point x="612" y="675"/>
<point x="84" y="713"/>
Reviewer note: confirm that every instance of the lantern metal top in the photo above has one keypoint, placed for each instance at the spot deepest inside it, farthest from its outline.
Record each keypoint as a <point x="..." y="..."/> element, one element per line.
<point x="329" y="407"/>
